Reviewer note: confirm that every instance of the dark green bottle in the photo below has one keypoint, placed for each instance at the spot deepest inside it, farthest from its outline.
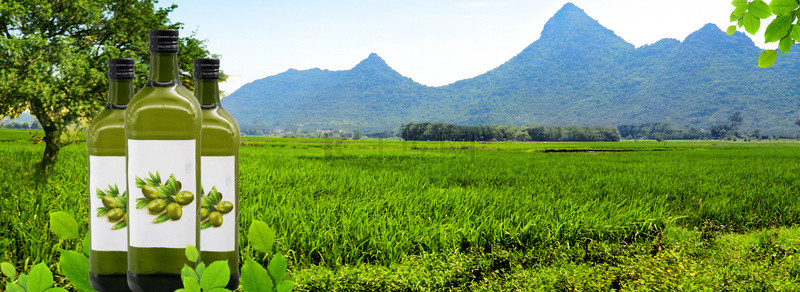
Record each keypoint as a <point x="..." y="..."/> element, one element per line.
<point x="219" y="213"/>
<point x="162" y="128"/>
<point x="105" y="143"/>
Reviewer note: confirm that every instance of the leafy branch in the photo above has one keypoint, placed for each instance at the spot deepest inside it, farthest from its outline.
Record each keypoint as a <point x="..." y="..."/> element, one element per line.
<point x="784" y="29"/>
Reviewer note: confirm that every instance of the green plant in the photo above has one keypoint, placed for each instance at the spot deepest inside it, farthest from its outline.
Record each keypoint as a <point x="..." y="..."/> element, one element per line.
<point x="210" y="279"/>
<point x="212" y="208"/>
<point x="784" y="29"/>
<point x="166" y="200"/>
<point x="40" y="279"/>
<point x="254" y="277"/>
<point x="114" y="206"/>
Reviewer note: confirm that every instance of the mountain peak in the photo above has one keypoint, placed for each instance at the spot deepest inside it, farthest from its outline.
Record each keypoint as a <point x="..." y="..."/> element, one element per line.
<point x="572" y="25"/>
<point x="372" y="62"/>
<point x="711" y="35"/>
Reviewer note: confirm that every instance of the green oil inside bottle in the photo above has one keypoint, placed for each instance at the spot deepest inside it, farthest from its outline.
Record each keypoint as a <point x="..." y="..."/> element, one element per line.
<point x="220" y="175"/>
<point x="105" y="143"/>
<point x="162" y="113"/>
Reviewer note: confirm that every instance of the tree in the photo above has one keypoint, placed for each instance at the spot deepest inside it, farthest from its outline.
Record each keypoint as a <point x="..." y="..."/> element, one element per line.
<point x="784" y="29"/>
<point x="53" y="58"/>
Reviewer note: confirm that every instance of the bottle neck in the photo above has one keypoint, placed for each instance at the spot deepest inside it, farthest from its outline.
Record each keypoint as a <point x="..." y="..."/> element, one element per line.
<point x="120" y="92"/>
<point x="207" y="92"/>
<point x="164" y="70"/>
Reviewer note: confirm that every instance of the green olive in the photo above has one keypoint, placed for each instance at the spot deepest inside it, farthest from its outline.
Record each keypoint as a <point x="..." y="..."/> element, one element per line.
<point x="174" y="211"/>
<point x="156" y="206"/>
<point x="109" y="202"/>
<point x="224" y="207"/>
<point x="215" y="218"/>
<point x="184" y="197"/>
<point x="203" y="214"/>
<point x="178" y="185"/>
<point x="115" y="214"/>
<point x="150" y="192"/>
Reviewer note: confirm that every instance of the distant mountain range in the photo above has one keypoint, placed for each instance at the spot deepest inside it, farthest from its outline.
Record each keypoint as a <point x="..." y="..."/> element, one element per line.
<point x="577" y="73"/>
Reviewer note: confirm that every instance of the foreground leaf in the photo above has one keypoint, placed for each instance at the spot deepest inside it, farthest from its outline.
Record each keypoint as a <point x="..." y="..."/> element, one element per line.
<point x="187" y="272"/>
<point x="760" y="9"/>
<point x="777" y="29"/>
<point x="286" y="286"/>
<point x="731" y="30"/>
<point x="255" y="278"/>
<point x="63" y="225"/>
<point x="751" y="23"/>
<point x="781" y="7"/>
<point x="261" y="237"/>
<point x="191" y="253"/>
<point x="277" y="268"/>
<point x="9" y="270"/>
<point x="86" y="244"/>
<point x="190" y="285"/>
<point x="11" y="287"/>
<point x="767" y="58"/>
<point x="40" y="278"/>
<point x="216" y="275"/>
<point x="786" y="44"/>
<point x="75" y="267"/>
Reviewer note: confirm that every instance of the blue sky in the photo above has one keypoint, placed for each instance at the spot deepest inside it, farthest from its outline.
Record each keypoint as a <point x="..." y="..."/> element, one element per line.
<point x="434" y="42"/>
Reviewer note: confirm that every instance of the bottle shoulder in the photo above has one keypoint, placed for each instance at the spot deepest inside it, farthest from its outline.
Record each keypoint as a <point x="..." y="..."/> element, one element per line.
<point x="220" y="135"/>
<point x="163" y="113"/>
<point x="106" y="134"/>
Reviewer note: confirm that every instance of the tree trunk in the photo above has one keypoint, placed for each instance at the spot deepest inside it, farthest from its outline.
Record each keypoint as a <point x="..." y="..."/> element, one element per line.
<point x="52" y="142"/>
<point x="52" y="138"/>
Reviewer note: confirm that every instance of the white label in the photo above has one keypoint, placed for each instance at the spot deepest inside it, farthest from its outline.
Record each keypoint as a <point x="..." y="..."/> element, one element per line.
<point x="218" y="176"/>
<point x="154" y="165"/>
<point x="107" y="179"/>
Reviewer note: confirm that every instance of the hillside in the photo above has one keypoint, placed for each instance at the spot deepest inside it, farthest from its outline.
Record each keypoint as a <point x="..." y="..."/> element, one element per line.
<point x="577" y="73"/>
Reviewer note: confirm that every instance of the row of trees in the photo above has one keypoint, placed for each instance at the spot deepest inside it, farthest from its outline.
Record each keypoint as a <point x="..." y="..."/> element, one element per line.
<point x="16" y="125"/>
<point x="448" y="132"/>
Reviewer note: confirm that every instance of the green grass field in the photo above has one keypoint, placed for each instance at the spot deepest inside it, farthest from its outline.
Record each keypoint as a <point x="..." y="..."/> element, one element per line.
<point x="417" y="216"/>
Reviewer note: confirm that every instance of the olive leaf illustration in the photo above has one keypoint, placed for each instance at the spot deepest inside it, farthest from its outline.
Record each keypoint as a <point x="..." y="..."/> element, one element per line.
<point x="165" y="200"/>
<point x="114" y="206"/>
<point x="212" y="208"/>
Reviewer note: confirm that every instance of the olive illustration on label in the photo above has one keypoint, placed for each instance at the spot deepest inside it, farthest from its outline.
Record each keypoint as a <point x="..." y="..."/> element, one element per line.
<point x="114" y="206"/>
<point x="165" y="200"/>
<point x="212" y="208"/>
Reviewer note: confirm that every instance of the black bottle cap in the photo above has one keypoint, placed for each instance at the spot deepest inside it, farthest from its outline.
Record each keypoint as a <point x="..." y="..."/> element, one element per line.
<point x="163" y="40"/>
<point x="120" y="68"/>
<point x="206" y="68"/>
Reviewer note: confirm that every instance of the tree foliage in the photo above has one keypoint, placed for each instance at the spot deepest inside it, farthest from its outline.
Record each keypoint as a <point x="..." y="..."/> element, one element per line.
<point x="53" y="58"/>
<point x="784" y="29"/>
<point x="448" y="132"/>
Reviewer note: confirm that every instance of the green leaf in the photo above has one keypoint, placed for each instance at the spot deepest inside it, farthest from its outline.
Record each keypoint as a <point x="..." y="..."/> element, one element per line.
<point x="141" y="202"/>
<point x="120" y="225"/>
<point x="786" y="44"/>
<point x="190" y="285"/>
<point x="75" y="267"/>
<point x="739" y="3"/>
<point x="59" y="289"/>
<point x="795" y="33"/>
<point x="778" y="28"/>
<point x="759" y="9"/>
<point x="161" y="218"/>
<point x="11" y="287"/>
<point x="191" y="253"/>
<point x="216" y="275"/>
<point x="255" y="278"/>
<point x="286" y="286"/>
<point x="767" y="58"/>
<point x="23" y="280"/>
<point x="277" y="268"/>
<point x="218" y="289"/>
<point x="739" y="11"/>
<point x="9" y="270"/>
<point x="140" y="183"/>
<point x="102" y="211"/>
<point x="751" y="23"/>
<point x="187" y="272"/>
<point x="782" y="7"/>
<point x="731" y="30"/>
<point x="63" y="225"/>
<point x="86" y="244"/>
<point x="261" y="237"/>
<point x="100" y="194"/>
<point x="200" y="269"/>
<point x="40" y="278"/>
<point x="205" y="225"/>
